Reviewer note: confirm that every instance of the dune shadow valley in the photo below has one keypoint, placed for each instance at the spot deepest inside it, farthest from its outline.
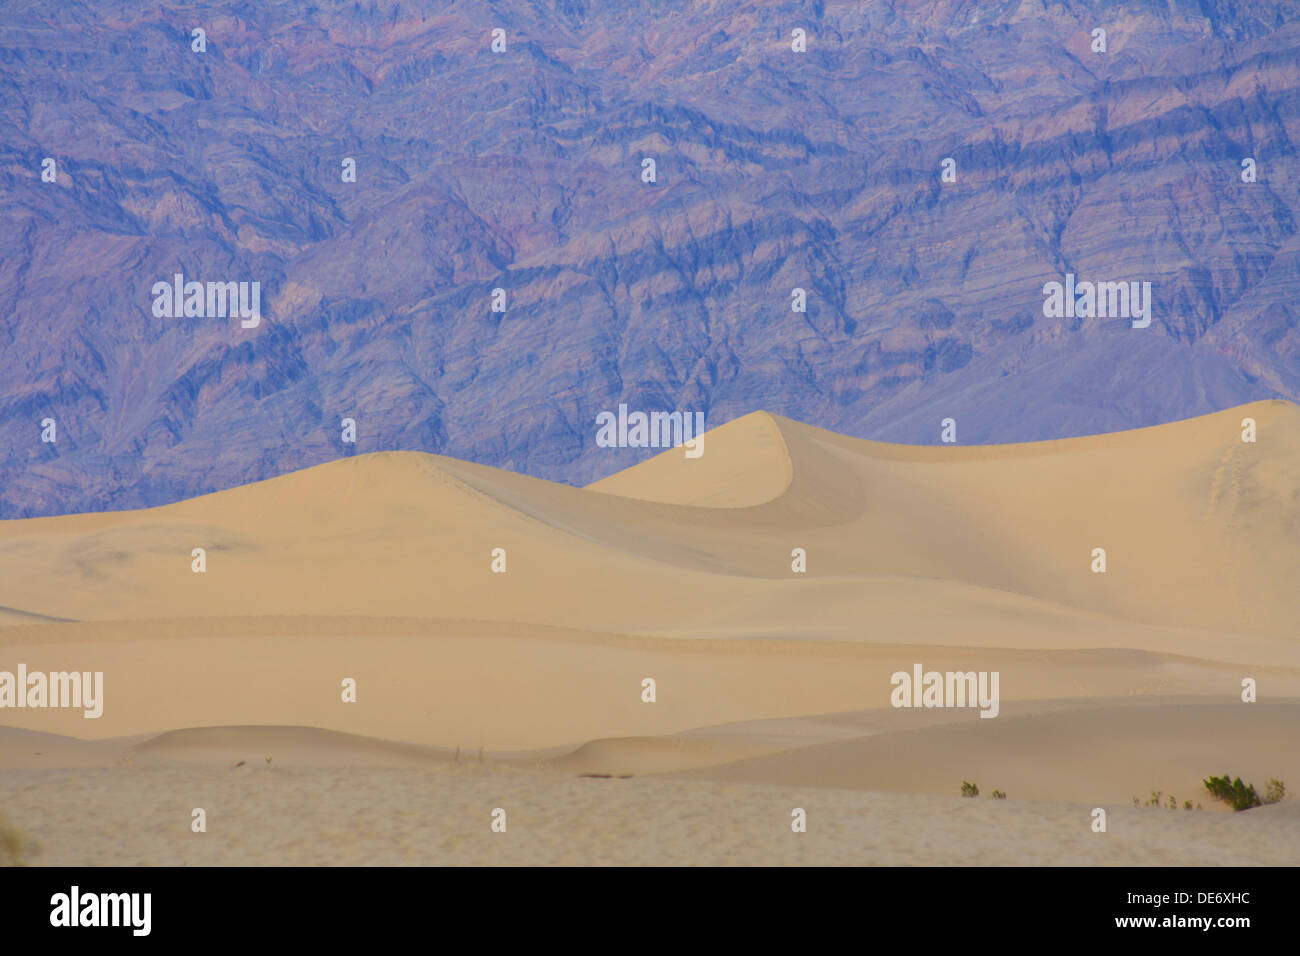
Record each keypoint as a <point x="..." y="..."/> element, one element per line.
<point x="793" y="648"/>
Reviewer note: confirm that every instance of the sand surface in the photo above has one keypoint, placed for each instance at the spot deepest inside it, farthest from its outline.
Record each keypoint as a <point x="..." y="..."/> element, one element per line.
<point x="327" y="799"/>
<point x="772" y="687"/>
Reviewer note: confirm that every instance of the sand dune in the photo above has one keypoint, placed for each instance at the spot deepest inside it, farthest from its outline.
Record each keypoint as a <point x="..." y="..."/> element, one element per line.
<point x="9" y="615"/>
<point x="521" y="687"/>
<point x="223" y="747"/>
<point x="379" y="568"/>
<point x="1107" y="753"/>
<point x="1198" y="527"/>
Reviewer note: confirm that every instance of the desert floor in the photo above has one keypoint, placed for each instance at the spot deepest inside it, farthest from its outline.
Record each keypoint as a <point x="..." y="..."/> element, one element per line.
<point x="368" y="813"/>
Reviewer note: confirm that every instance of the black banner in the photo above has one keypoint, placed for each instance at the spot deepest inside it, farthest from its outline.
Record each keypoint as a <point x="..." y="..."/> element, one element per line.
<point x="975" y="906"/>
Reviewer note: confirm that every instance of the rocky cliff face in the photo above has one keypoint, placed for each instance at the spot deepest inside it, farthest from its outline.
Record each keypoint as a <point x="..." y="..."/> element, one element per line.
<point x="523" y="171"/>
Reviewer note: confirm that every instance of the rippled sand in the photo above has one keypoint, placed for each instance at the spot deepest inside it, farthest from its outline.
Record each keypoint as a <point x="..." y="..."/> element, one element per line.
<point x="441" y="816"/>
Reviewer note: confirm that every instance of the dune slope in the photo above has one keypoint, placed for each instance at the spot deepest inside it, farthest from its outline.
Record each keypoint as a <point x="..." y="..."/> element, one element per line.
<point x="380" y="569"/>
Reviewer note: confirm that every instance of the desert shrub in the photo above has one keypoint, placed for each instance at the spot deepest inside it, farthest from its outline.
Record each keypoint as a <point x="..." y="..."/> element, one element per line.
<point x="969" y="789"/>
<point x="1275" y="791"/>
<point x="999" y="795"/>
<point x="15" y="847"/>
<point x="1241" y="796"/>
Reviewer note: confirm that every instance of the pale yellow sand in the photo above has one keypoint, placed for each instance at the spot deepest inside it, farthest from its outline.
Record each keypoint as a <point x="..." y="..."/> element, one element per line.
<point x="378" y="568"/>
<point x="1105" y="751"/>
<point x="515" y="687"/>
<point x="324" y="800"/>
<point x="1199" y="528"/>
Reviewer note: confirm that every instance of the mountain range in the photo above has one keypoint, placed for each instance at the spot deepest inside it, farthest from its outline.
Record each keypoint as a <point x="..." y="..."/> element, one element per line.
<point x="524" y="171"/>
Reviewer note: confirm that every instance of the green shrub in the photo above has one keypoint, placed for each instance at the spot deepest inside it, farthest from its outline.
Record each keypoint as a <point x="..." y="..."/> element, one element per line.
<point x="1274" y="792"/>
<point x="969" y="789"/>
<point x="1241" y="796"/>
<point x="999" y="795"/>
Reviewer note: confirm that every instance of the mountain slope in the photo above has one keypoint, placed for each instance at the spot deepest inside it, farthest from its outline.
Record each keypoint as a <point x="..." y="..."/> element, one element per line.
<point x="521" y="171"/>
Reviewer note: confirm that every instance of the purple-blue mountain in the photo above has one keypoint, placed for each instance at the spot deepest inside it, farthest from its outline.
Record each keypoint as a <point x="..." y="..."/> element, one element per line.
<point x="522" y="171"/>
